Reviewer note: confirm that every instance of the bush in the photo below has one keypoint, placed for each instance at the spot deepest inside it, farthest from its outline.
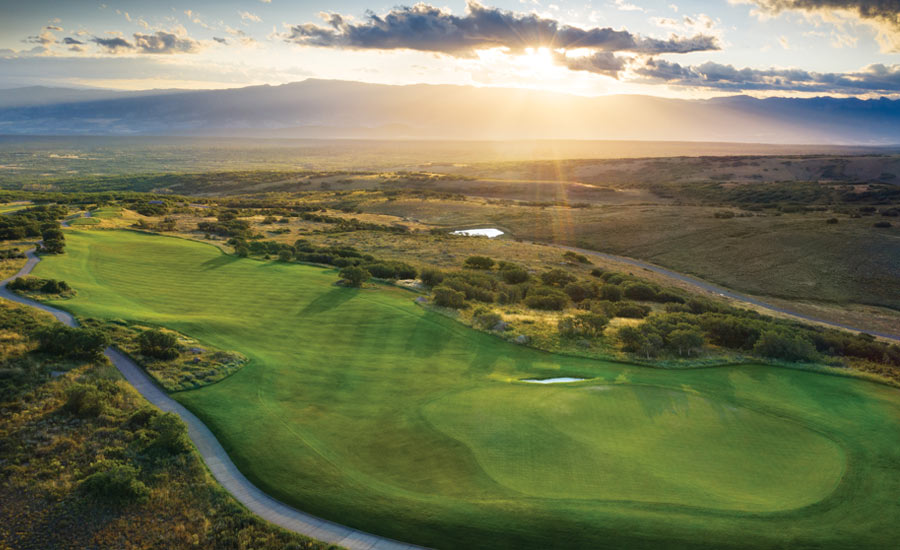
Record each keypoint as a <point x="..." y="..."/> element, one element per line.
<point x="77" y="343"/>
<point x="171" y="434"/>
<point x="586" y="324"/>
<point x="579" y="291"/>
<point x="479" y="262"/>
<point x="640" y="291"/>
<point x="485" y="318"/>
<point x="431" y="277"/>
<point x="632" y="311"/>
<point x="576" y="258"/>
<point x="117" y="484"/>
<point x="882" y="225"/>
<point x="447" y="297"/>
<point x="782" y="345"/>
<point x="242" y="251"/>
<point x="831" y="221"/>
<point x="514" y="274"/>
<point x="85" y="401"/>
<point x="158" y="344"/>
<point x="557" y="277"/>
<point x="354" y="276"/>
<point x="611" y="293"/>
<point x="285" y="256"/>
<point x="547" y="299"/>
<point x="597" y="272"/>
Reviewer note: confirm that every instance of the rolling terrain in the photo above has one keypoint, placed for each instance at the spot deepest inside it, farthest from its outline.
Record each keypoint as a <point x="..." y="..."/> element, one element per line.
<point x="362" y="407"/>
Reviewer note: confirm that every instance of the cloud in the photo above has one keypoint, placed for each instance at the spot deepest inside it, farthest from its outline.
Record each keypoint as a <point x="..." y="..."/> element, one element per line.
<point x="220" y="40"/>
<point x="883" y="15"/>
<point x="427" y="28"/>
<point x="69" y="41"/>
<point x="247" y="16"/>
<point x="162" y="42"/>
<point x="876" y="78"/>
<point x="53" y="28"/>
<point x="113" y="45"/>
<point x="45" y="38"/>
<point x="159" y="42"/>
<point x="625" y="6"/>
<point x="605" y="63"/>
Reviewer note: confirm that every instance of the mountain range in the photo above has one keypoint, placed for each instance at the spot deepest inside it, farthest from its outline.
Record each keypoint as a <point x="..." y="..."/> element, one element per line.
<point x="354" y="110"/>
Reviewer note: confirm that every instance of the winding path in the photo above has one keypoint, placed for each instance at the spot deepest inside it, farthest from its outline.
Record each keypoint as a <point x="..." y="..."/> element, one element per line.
<point x="703" y="285"/>
<point x="222" y="468"/>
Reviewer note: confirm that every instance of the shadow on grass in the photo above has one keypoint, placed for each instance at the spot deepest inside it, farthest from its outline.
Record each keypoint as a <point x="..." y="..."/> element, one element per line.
<point x="330" y="300"/>
<point x="219" y="261"/>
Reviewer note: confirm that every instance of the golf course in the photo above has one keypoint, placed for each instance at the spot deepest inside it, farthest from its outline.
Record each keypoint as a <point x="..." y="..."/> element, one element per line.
<point x="364" y="408"/>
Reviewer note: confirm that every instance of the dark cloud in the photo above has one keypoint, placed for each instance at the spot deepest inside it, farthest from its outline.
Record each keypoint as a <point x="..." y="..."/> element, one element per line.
<point x="427" y="28"/>
<point x="113" y="45"/>
<point x="883" y="14"/>
<point x="605" y="63"/>
<point x="72" y="41"/>
<point x="220" y="40"/>
<point x="162" y="42"/>
<point x="874" y="78"/>
<point x="46" y="37"/>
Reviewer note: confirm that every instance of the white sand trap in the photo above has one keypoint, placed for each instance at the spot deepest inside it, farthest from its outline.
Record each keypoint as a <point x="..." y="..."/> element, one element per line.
<point x="560" y="380"/>
<point x="488" y="232"/>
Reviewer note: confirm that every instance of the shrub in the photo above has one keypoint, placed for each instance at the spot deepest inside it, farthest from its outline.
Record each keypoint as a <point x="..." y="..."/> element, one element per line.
<point x="882" y="225"/>
<point x="485" y="318"/>
<point x="52" y="286"/>
<point x="547" y="299"/>
<point x="831" y="221"/>
<point x="632" y="311"/>
<point x="285" y="256"/>
<point x="585" y="324"/>
<point x="118" y="484"/>
<point x="611" y="293"/>
<point x="479" y="262"/>
<point x="85" y="401"/>
<point x="782" y="345"/>
<point x="158" y="344"/>
<point x="171" y="434"/>
<point x="354" y="276"/>
<point x="597" y="272"/>
<point x="78" y="343"/>
<point x="514" y="274"/>
<point x="576" y="258"/>
<point x="639" y="291"/>
<point x="447" y="297"/>
<point x="431" y="277"/>
<point x="579" y="291"/>
<point x="242" y="251"/>
<point x="557" y="277"/>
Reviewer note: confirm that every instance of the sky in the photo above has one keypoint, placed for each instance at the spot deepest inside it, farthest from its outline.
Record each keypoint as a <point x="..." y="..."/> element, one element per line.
<point x="670" y="48"/>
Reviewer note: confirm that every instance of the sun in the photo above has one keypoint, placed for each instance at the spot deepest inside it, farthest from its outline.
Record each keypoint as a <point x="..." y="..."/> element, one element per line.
<point x="536" y="62"/>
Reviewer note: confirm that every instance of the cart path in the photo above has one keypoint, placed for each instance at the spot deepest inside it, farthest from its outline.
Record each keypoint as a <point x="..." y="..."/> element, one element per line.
<point x="701" y="284"/>
<point x="215" y="457"/>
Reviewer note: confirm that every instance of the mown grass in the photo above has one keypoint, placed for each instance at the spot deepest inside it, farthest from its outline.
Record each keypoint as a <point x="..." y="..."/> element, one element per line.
<point x="359" y="406"/>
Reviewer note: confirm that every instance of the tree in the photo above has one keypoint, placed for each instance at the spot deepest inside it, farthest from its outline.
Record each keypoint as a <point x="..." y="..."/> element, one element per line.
<point x="447" y="297"/>
<point x="686" y="341"/>
<point x="479" y="262"/>
<point x="557" y="277"/>
<point x="354" y="276"/>
<point x="158" y="344"/>
<point x="285" y="256"/>
<point x="242" y="251"/>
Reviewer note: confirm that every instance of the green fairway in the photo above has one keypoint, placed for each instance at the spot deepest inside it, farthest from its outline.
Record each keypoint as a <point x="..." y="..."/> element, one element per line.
<point x="359" y="406"/>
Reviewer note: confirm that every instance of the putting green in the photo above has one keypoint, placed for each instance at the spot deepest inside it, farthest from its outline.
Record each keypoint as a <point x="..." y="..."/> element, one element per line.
<point x="359" y="406"/>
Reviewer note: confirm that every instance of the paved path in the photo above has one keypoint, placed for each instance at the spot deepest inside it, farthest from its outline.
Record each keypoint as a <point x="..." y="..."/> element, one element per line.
<point x="222" y="468"/>
<point x="722" y="291"/>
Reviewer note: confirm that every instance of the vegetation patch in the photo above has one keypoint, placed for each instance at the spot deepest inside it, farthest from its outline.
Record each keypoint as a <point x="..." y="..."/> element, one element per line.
<point x="177" y="362"/>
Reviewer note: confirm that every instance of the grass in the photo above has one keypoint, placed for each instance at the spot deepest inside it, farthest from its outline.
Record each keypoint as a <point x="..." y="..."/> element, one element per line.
<point x="85" y="221"/>
<point x="359" y="406"/>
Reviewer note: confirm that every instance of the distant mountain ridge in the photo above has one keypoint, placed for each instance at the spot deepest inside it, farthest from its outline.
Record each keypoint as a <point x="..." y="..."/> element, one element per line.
<point x="355" y="110"/>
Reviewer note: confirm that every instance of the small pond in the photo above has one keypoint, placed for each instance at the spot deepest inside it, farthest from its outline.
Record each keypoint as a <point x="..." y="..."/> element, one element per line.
<point x="489" y="232"/>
